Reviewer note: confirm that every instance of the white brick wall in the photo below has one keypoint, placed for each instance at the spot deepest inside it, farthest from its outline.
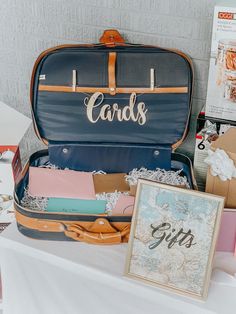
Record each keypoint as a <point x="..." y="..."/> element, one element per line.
<point x="28" y="27"/>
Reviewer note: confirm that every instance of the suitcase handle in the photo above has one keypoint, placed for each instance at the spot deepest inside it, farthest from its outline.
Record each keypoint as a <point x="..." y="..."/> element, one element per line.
<point x="111" y="38"/>
<point x="77" y="233"/>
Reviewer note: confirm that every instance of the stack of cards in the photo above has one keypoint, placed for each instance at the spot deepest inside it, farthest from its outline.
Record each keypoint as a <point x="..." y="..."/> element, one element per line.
<point x="71" y="191"/>
<point x="46" y="182"/>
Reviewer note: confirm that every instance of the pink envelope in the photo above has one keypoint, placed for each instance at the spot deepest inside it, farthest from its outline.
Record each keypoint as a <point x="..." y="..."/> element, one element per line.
<point x="227" y="235"/>
<point x="124" y="205"/>
<point x="61" y="183"/>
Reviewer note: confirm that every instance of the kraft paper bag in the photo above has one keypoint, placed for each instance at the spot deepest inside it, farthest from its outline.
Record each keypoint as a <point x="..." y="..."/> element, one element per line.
<point x="68" y="205"/>
<point x="109" y="183"/>
<point x="46" y="182"/>
<point x="133" y="190"/>
<point x="214" y="184"/>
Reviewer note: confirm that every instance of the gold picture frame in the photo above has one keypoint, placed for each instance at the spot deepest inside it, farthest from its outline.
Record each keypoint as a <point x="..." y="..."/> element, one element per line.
<point x="173" y="238"/>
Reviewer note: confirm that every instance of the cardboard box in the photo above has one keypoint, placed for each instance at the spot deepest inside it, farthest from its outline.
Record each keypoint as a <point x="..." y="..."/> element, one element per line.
<point x="214" y="184"/>
<point x="208" y="130"/>
<point x="221" y="95"/>
<point x="12" y="129"/>
<point x="227" y="234"/>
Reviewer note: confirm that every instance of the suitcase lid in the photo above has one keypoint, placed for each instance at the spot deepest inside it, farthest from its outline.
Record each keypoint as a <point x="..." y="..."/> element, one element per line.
<point x="112" y="92"/>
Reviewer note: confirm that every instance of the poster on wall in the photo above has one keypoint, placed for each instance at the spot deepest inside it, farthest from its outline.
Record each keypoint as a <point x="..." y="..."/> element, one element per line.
<point x="173" y="238"/>
<point x="221" y="93"/>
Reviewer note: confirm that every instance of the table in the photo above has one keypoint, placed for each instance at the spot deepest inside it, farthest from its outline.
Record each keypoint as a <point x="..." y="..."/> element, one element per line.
<point x="47" y="277"/>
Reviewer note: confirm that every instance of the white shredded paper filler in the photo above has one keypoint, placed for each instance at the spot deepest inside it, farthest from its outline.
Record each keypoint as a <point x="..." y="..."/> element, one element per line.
<point x="221" y="164"/>
<point x="159" y="175"/>
<point x="111" y="199"/>
<point x="33" y="202"/>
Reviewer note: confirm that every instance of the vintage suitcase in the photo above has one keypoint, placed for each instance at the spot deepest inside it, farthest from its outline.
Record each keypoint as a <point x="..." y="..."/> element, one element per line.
<point x="111" y="106"/>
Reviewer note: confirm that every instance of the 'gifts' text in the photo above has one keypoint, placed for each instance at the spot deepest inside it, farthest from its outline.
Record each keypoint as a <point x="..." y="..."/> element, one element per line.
<point x="165" y="232"/>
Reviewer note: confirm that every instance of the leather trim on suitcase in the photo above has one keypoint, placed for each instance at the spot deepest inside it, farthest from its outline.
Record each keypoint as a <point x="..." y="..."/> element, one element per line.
<point x="99" y="231"/>
<point x="121" y="90"/>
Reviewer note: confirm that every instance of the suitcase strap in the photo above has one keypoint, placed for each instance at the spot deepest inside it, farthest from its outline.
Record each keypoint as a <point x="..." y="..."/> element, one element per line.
<point x="101" y="231"/>
<point x="79" y="234"/>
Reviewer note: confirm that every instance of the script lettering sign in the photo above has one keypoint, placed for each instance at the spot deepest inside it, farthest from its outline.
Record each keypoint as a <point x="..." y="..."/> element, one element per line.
<point x="133" y="111"/>
<point x="173" y="238"/>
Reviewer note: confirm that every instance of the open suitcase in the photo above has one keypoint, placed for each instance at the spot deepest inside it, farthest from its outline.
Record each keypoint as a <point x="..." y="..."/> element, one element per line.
<point x="110" y="106"/>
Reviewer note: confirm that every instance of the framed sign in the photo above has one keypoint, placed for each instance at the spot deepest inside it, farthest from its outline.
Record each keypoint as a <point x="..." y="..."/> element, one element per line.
<point x="173" y="238"/>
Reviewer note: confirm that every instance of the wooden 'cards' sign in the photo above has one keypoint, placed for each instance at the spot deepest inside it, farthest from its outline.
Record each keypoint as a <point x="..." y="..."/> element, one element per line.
<point x="173" y="238"/>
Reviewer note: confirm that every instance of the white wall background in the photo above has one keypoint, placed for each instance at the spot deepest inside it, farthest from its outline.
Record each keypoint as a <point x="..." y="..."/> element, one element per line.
<point x="27" y="27"/>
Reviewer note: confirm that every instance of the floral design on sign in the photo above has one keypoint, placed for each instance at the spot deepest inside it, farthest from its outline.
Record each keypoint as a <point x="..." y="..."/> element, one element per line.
<point x="173" y="238"/>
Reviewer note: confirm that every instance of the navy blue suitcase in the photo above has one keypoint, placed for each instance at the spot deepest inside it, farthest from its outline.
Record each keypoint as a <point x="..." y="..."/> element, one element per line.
<point x="110" y="106"/>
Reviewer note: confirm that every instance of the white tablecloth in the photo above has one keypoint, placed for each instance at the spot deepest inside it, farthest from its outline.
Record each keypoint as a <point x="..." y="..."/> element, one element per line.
<point x="45" y="277"/>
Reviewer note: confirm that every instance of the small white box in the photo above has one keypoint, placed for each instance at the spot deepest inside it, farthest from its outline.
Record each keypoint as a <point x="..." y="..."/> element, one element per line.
<point x="221" y="94"/>
<point x="13" y="126"/>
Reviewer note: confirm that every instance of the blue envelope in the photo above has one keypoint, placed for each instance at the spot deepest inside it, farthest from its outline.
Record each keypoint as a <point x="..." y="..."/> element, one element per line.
<point x="69" y="205"/>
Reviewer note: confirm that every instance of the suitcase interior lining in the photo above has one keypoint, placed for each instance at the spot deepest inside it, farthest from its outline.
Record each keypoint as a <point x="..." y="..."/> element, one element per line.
<point x="63" y="117"/>
<point x="132" y="69"/>
<point x="60" y="111"/>
<point x="178" y="162"/>
<point x="110" y="158"/>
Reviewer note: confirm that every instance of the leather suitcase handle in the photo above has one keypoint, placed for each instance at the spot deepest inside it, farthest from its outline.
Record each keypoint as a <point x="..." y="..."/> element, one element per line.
<point x="77" y="233"/>
<point x="111" y="38"/>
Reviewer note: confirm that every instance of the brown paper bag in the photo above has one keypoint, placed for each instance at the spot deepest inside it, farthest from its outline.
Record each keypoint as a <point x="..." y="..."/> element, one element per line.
<point x="215" y="185"/>
<point x="110" y="183"/>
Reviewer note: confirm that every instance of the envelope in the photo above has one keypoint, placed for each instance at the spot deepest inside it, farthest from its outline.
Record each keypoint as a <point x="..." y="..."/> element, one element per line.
<point x="109" y="183"/>
<point x="124" y="205"/>
<point x="69" y="205"/>
<point x="46" y="182"/>
<point x="227" y="234"/>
